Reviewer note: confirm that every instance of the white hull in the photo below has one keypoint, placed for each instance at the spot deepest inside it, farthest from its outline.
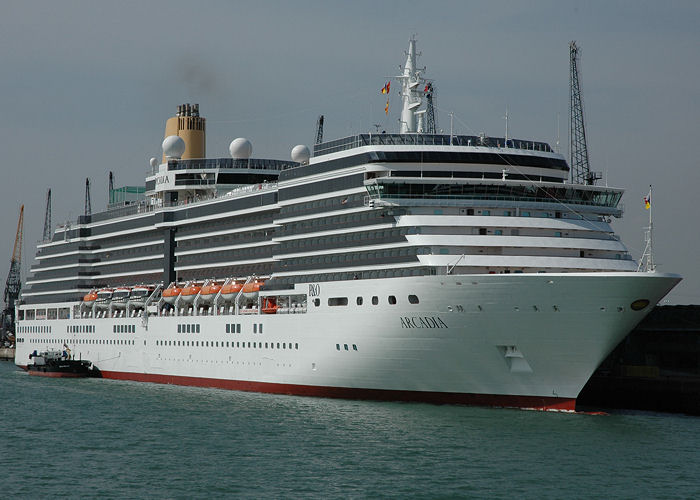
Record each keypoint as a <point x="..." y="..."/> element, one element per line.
<point x="518" y="335"/>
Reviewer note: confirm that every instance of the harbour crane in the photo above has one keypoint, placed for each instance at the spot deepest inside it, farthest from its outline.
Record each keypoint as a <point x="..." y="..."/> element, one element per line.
<point x="578" y="148"/>
<point x="13" y="285"/>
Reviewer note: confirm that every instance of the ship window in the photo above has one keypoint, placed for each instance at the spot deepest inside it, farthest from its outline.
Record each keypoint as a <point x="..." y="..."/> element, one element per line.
<point x="413" y="299"/>
<point x="486" y="212"/>
<point x="375" y="300"/>
<point x="498" y="232"/>
<point x="354" y="347"/>
<point x="228" y="327"/>
<point x="188" y="329"/>
<point x="337" y="347"/>
<point x="265" y="345"/>
<point x="317" y="302"/>
<point x="338" y="301"/>
<point x="260" y="327"/>
<point x="345" y="346"/>
<point x="197" y="327"/>
<point x="557" y="234"/>
<point x="482" y="230"/>
<point x="255" y="328"/>
<point x="238" y="328"/>
<point x="359" y="301"/>
<point x="507" y="213"/>
<point x="515" y="232"/>
<point x="392" y="300"/>
<point x="525" y="214"/>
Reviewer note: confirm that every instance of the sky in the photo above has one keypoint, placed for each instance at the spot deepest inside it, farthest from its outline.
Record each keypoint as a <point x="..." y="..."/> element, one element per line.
<point x="86" y="87"/>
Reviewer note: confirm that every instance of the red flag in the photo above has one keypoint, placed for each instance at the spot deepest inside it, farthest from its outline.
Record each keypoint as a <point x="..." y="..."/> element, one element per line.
<point x="386" y="108"/>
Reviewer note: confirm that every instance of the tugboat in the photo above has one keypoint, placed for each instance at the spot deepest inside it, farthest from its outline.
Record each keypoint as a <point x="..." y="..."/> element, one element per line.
<point x="56" y="363"/>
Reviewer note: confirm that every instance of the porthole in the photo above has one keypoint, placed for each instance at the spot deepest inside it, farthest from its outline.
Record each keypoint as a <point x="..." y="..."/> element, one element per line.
<point x="413" y="299"/>
<point x="392" y="300"/>
<point x="359" y="301"/>
<point x="375" y="300"/>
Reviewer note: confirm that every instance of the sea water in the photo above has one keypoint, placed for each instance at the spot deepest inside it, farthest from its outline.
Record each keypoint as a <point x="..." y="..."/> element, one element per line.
<point x="100" y="438"/>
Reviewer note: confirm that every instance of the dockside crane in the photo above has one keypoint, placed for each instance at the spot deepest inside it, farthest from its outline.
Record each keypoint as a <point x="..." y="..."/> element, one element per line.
<point x="319" y="130"/>
<point x="88" y="205"/>
<point x="47" y="217"/>
<point x="578" y="147"/>
<point x="13" y="285"/>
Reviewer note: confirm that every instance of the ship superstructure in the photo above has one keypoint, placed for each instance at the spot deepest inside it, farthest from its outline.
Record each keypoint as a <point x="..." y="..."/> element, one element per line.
<point x="407" y="266"/>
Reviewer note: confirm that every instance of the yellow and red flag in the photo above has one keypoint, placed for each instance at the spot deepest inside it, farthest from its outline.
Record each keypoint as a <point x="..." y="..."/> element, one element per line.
<point x="386" y="108"/>
<point x="647" y="201"/>
<point x="386" y="88"/>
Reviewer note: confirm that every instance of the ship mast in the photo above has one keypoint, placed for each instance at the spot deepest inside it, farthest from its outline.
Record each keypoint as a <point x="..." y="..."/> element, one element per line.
<point x="410" y="93"/>
<point x="646" y="263"/>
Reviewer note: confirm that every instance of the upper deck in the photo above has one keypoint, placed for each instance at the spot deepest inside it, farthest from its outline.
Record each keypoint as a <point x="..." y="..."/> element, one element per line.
<point x="359" y="140"/>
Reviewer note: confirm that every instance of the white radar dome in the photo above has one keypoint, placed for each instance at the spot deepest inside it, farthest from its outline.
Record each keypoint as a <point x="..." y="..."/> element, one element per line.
<point x="154" y="162"/>
<point x="173" y="146"/>
<point x="240" y="149"/>
<point x="301" y="154"/>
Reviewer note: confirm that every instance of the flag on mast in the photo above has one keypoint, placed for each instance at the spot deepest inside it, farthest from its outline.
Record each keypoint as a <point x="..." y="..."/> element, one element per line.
<point x="386" y="108"/>
<point x="386" y="87"/>
<point x="647" y="201"/>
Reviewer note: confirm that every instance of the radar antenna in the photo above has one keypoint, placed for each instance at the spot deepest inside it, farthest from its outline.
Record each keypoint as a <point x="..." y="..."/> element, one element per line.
<point x="319" y="130"/>
<point x="47" y="217"/>
<point x="431" y="127"/>
<point x="578" y="149"/>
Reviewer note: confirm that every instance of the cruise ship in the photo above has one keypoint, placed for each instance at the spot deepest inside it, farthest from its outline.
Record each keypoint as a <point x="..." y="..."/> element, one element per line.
<point x="414" y="266"/>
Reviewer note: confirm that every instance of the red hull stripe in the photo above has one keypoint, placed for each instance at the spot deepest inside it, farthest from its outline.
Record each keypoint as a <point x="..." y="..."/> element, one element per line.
<point x="499" y="400"/>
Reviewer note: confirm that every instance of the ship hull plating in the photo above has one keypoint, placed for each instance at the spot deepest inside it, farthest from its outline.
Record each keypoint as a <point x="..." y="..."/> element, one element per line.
<point x="497" y="340"/>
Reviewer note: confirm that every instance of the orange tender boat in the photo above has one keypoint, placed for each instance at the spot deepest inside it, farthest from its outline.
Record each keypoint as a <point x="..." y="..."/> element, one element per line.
<point x="171" y="293"/>
<point x="90" y="297"/>
<point x="209" y="292"/>
<point x="189" y="293"/>
<point x="230" y="290"/>
<point x="252" y="288"/>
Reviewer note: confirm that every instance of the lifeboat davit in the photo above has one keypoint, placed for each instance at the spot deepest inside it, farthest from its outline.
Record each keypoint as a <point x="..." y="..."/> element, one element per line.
<point x="120" y="297"/>
<point x="230" y="290"/>
<point x="208" y="292"/>
<point x="104" y="296"/>
<point x="90" y="298"/>
<point x="171" y="293"/>
<point x="189" y="293"/>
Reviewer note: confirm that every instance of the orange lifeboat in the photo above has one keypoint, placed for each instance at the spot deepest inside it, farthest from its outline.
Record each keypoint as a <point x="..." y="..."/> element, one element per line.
<point x="269" y="305"/>
<point x="252" y="289"/>
<point x="171" y="293"/>
<point x="189" y="293"/>
<point x="208" y="292"/>
<point x="230" y="290"/>
<point x="90" y="298"/>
